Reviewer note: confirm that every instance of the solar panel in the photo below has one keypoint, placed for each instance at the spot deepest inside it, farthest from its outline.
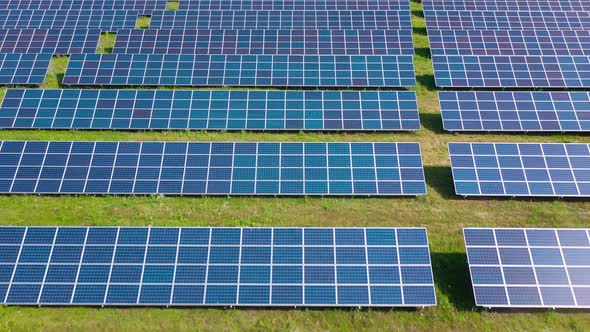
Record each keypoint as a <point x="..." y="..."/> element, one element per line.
<point x="142" y="6"/>
<point x="211" y="110"/>
<point x="239" y="70"/>
<point x="310" y="42"/>
<point x="507" y="5"/>
<point x="202" y="168"/>
<point x="530" y="267"/>
<point x="106" y="20"/>
<point x="280" y="19"/>
<point x="54" y="41"/>
<point x="172" y="266"/>
<point x="525" y="169"/>
<point x="511" y="71"/>
<point x="23" y="69"/>
<point x="515" y="111"/>
<point x="506" y="20"/>
<point x="294" y="5"/>
<point x="509" y="42"/>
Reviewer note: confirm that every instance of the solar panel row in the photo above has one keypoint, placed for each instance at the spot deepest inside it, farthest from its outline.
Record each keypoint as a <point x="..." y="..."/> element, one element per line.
<point x="281" y="19"/>
<point x="201" y="168"/>
<point x="53" y="41"/>
<point x="509" y="42"/>
<point x="215" y="266"/>
<point x="512" y="71"/>
<point x="294" y="5"/>
<point x="309" y="42"/>
<point x="515" y="111"/>
<point x="23" y="69"/>
<point x="525" y="169"/>
<point x="239" y="70"/>
<point x="142" y="6"/>
<point x="106" y="20"/>
<point x="506" y="20"/>
<point x="507" y="5"/>
<point x="216" y="110"/>
<point x="529" y="267"/>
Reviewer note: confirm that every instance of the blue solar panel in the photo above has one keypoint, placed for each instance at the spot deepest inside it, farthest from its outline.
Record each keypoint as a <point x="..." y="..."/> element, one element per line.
<point x="280" y="19"/>
<point x="309" y="267"/>
<point x="106" y="20"/>
<point x="225" y="168"/>
<point x="142" y="6"/>
<point x="54" y="41"/>
<point x="531" y="267"/>
<point x="294" y="5"/>
<point x="239" y="70"/>
<point x="506" y="20"/>
<point x="512" y="71"/>
<point x="525" y="169"/>
<point x="23" y="69"/>
<point x="509" y="42"/>
<point x="212" y="110"/>
<point x="507" y="5"/>
<point x="310" y="42"/>
<point x="515" y="111"/>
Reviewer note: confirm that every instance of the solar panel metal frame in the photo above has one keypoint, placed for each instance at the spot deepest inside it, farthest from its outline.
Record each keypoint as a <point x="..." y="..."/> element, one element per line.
<point x="211" y="110"/>
<point x="505" y="285"/>
<point x="294" y="5"/>
<point x="55" y="41"/>
<point x="106" y="20"/>
<point x="210" y="168"/>
<point x="512" y="111"/>
<point x="251" y="42"/>
<point x="519" y="180"/>
<point x="33" y="66"/>
<point x="239" y="70"/>
<point x="125" y="239"/>
<point x="507" y="5"/>
<point x="144" y="7"/>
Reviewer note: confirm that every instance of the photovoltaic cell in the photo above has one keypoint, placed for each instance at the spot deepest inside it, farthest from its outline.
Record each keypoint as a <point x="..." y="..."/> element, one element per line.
<point x="156" y="266"/>
<point x="511" y="71"/>
<point x="509" y="42"/>
<point x="202" y="168"/>
<point x="54" y="41"/>
<point x="294" y="5"/>
<point x="23" y="69"/>
<point x="280" y="19"/>
<point x="524" y="169"/>
<point x="515" y="111"/>
<point x="106" y="20"/>
<point x="507" y="5"/>
<point x="506" y="20"/>
<point x="142" y="6"/>
<point x="239" y="70"/>
<point x="310" y="42"/>
<point x="211" y="110"/>
<point x="531" y="267"/>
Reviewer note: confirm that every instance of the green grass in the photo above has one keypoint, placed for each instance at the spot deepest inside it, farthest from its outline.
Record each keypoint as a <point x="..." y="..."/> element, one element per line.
<point x="443" y="213"/>
<point x="106" y="43"/>
<point x="143" y="22"/>
<point x="172" y="5"/>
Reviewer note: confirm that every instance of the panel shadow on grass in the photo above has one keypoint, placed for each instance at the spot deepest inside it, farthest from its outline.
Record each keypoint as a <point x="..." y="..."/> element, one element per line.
<point x="420" y="31"/>
<point x="451" y="276"/>
<point x="440" y="179"/>
<point x="426" y="81"/>
<point x="432" y="122"/>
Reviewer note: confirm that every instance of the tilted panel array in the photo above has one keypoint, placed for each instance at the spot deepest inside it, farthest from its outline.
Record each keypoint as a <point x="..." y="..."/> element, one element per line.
<point x="225" y="168"/>
<point x="211" y="110"/>
<point x="506" y="20"/>
<point x="23" y="69"/>
<point x="508" y="5"/>
<point x="54" y="41"/>
<point x="310" y="42"/>
<point x="294" y="5"/>
<point x="239" y="70"/>
<point x="106" y="20"/>
<point x="280" y="19"/>
<point x="171" y="266"/>
<point x="530" y="268"/>
<point x="144" y="7"/>
<point x="509" y="42"/>
<point x="515" y="111"/>
<point x="512" y="71"/>
<point x="521" y="169"/>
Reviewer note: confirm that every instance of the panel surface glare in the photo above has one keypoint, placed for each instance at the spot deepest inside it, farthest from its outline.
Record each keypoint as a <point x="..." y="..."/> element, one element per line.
<point x="310" y="267"/>
<point x="218" y="168"/>
<point x="531" y="267"/>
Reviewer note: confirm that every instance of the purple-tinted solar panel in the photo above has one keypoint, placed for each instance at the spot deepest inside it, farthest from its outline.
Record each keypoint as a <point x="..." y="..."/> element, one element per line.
<point x="294" y="5"/>
<point x="106" y="20"/>
<point x="508" y="5"/>
<point x="142" y="6"/>
<point x="54" y="41"/>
